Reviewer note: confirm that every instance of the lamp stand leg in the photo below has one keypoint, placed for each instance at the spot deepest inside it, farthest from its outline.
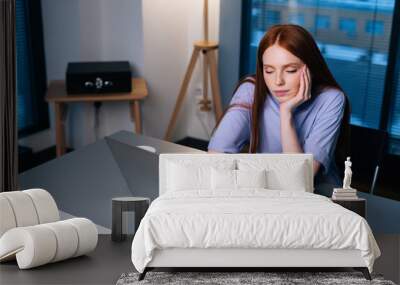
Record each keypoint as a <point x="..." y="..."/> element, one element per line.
<point x="215" y="85"/>
<point x="182" y="93"/>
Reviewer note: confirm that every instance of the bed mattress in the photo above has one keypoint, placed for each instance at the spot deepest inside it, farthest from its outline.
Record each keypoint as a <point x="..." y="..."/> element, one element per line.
<point x="250" y="219"/>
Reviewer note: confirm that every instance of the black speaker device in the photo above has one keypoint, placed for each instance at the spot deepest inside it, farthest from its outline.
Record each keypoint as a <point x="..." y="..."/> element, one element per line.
<point x="98" y="77"/>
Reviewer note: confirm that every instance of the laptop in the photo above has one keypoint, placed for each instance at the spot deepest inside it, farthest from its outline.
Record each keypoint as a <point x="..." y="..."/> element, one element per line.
<point x="137" y="157"/>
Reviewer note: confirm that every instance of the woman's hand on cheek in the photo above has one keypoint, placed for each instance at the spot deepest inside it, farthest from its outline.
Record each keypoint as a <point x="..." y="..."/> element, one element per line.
<point x="302" y="95"/>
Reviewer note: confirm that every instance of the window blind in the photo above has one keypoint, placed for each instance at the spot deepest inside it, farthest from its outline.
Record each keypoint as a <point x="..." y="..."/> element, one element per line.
<point x="353" y="37"/>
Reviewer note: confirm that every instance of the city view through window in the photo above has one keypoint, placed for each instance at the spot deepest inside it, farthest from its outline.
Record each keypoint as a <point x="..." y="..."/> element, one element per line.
<point x="354" y="38"/>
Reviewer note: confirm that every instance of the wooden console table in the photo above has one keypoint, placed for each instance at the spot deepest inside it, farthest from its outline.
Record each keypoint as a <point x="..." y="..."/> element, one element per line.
<point x="57" y="94"/>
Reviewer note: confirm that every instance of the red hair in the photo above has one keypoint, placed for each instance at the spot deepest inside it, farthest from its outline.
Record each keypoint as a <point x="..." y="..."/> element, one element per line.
<point x="300" y="43"/>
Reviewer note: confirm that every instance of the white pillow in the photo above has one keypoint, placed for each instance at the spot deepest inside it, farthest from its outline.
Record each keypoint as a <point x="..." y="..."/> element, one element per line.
<point x="251" y="178"/>
<point x="237" y="179"/>
<point x="223" y="179"/>
<point x="186" y="175"/>
<point x="281" y="174"/>
<point x="290" y="179"/>
<point x="187" y="178"/>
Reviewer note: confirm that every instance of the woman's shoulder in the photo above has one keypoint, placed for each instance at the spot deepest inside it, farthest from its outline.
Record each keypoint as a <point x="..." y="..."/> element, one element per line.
<point x="244" y="93"/>
<point x="330" y="97"/>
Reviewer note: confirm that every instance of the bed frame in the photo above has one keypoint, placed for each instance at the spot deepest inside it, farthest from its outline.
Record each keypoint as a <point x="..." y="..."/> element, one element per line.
<point x="247" y="259"/>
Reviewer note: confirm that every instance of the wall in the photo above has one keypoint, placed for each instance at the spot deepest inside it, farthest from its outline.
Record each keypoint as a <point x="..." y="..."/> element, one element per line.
<point x="169" y="29"/>
<point x="156" y="36"/>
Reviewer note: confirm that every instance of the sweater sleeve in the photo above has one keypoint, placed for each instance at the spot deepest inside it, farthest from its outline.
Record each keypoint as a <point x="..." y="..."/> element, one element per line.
<point x="234" y="129"/>
<point x="321" y="141"/>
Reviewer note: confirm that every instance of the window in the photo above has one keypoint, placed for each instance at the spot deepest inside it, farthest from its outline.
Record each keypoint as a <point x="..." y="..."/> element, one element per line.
<point x="297" y="19"/>
<point x="362" y="50"/>
<point x="322" y="22"/>
<point x="359" y="63"/>
<point x="348" y="26"/>
<point x="394" y="122"/>
<point x="374" y="27"/>
<point x="32" y="111"/>
<point x="273" y="17"/>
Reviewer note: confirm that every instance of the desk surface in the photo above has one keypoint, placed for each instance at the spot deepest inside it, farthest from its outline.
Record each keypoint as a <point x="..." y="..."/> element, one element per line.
<point x="57" y="93"/>
<point x="85" y="180"/>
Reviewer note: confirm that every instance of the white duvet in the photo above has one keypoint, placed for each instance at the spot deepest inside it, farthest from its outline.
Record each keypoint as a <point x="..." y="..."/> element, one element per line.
<point x="250" y="219"/>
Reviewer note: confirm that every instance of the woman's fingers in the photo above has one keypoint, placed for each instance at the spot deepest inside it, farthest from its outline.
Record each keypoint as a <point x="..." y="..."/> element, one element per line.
<point x="307" y="83"/>
<point x="309" y="78"/>
<point x="303" y="85"/>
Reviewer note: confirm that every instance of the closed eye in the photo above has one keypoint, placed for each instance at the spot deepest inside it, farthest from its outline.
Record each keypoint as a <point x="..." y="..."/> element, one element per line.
<point x="288" y="71"/>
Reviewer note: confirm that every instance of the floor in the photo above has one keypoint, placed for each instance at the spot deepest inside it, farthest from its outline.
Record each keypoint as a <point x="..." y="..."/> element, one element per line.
<point x="100" y="229"/>
<point x="110" y="259"/>
<point x="388" y="264"/>
<point x="103" y="266"/>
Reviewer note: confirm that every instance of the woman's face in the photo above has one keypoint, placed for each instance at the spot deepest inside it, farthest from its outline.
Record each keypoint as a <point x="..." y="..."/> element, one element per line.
<point x="281" y="70"/>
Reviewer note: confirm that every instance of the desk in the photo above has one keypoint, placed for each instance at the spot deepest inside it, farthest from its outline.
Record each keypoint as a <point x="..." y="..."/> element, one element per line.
<point x="57" y="94"/>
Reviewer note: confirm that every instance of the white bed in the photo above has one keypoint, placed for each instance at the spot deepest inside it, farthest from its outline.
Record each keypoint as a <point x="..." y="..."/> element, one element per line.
<point x="205" y="226"/>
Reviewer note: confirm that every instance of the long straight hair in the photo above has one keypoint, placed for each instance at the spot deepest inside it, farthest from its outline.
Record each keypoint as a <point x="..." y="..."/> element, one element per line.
<point x="300" y="43"/>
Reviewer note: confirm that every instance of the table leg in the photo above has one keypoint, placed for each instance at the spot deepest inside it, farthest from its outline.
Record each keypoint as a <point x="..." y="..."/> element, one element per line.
<point x="60" y="137"/>
<point x="116" y="232"/>
<point x="135" y="114"/>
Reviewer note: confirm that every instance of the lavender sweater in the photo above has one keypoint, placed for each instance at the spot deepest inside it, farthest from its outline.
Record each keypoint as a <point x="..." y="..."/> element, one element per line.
<point x="317" y="123"/>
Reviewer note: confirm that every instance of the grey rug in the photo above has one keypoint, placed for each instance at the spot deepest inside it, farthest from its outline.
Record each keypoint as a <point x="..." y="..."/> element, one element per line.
<point x="228" y="278"/>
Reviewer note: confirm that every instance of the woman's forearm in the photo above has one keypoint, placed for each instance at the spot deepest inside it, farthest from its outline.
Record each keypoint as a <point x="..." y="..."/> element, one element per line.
<point x="289" y="139"/>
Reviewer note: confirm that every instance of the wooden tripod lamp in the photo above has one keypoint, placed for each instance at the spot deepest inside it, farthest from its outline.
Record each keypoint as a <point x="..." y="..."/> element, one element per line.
<point x="208" y="49"/>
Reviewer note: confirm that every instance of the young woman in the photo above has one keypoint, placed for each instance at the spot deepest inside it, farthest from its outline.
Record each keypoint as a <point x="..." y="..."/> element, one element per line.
<point x="292" y="105"/>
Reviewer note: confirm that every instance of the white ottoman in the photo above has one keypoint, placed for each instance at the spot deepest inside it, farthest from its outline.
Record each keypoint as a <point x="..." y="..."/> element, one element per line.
<point x="31" y="232"/>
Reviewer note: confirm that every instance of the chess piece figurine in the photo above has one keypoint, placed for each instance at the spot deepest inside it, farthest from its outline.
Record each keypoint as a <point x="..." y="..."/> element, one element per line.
<point x="347" y="174"/>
